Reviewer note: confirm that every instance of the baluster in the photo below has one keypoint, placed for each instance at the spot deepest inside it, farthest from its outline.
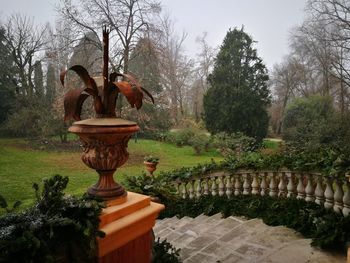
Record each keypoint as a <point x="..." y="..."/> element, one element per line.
<point x="309" y="190"/>
<point x="263" y="184"/>
<point x="191" y="189"/>
<point x="300" y="187"/>
<point x="346" y="200"/>
<point x="272" y="185"/>
<point x="255" y="184"/>
<point x="319" y="191"/>
<point x="214" y="187"/>
<point x="199" y="189"/>
<point x="228" y="186"/>
<point x="184" y="190"/>
<point x="246" y="184"/>
<point x="221" y="186"/>
<point x="328" y="194"/>
<point x="206" y="186"/>
<point x="290" y="185"/>
<point x="238" y="186"/>
<point x="282" y="186"/>
<point x="338" y="196"/>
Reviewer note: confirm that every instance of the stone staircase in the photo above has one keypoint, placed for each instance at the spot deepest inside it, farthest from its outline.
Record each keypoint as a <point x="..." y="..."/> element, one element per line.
<point x="234" y="239"/>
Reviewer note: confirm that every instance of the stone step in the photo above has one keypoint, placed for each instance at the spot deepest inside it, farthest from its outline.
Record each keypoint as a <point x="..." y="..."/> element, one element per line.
<point x="236" y="239"/>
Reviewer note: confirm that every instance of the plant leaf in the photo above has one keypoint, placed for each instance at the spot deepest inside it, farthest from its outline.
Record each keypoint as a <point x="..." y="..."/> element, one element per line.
<point x="73" y="102"/>
<point x="89" y="82"/>
<point x="136" y="85"/>
<point x="134" y="95"/>
<point x="148" y="94"/>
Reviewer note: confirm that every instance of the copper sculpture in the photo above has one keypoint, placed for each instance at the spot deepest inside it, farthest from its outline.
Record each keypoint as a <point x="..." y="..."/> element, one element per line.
<point x="105" y="138"/>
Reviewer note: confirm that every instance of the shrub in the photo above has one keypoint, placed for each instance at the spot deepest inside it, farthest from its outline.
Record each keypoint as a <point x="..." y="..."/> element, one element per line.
<point x="164" y="252"/>
<point x="235" y="143"/>
<point x="309" y="122"/>
<point x="180" y="138"/>
<point x="57" y="228"/>
<point x="199" y="142"/>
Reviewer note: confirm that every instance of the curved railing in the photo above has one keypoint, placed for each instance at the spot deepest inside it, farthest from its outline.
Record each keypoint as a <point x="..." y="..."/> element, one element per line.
<point x="332" y="193"/>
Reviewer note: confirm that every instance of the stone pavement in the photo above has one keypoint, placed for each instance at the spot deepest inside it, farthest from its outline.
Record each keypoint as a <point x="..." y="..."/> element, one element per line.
<point x="234" y="239"/>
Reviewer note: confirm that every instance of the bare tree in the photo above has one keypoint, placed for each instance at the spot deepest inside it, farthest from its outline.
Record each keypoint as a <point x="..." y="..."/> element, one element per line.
<point x="284" y="84"/>
<point x="175" y="67"/>
<point x="334" y="17"/>
<point x="26" y="41"/>
<point x="205" y="62"/>
<point x="129" y="20"/>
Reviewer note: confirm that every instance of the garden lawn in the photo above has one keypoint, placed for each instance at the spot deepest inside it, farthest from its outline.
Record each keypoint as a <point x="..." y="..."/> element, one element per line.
<point x="21" y="166"/>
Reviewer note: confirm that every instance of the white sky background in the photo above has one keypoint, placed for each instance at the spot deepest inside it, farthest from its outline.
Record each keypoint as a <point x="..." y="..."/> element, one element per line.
<point x="267" y="21"/>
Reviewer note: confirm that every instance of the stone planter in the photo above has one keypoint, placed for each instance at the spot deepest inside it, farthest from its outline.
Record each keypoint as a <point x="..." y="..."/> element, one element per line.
<point x="105" y="142"/>
<point x="150" y="167"/>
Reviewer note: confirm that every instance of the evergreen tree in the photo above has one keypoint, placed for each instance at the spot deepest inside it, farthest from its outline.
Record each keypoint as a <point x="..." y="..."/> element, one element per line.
<point x="50" y="84"/>
<point x="7" y="80"/>
<point x="38" y="79"/>
<point x="238" y="95"/>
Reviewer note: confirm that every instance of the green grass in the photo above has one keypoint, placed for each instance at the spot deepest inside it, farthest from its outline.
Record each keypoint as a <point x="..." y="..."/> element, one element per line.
<point x="271" y="144"/>
<point x="21" y="166"/>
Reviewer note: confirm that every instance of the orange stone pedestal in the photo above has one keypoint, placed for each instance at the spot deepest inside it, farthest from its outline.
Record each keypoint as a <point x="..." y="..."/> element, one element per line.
<point x="128" y="229"/>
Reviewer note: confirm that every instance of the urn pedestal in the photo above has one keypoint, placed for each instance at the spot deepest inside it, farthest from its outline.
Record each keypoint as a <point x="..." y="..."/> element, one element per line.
<point x="105" y="142"/>
<point x="128" y="229"/>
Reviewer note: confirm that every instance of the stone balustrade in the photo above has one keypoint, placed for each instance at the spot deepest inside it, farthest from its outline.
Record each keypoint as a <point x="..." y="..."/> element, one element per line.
<point x="328" y="191"/>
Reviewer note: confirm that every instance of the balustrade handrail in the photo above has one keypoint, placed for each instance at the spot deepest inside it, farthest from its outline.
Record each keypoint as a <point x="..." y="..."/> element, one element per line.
<point x="329" y="191"/>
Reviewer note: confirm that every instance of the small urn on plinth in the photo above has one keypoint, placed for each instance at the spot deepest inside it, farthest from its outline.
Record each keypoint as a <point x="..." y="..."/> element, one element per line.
<point x="151" y="163"/>
<point x="105" y="138"/>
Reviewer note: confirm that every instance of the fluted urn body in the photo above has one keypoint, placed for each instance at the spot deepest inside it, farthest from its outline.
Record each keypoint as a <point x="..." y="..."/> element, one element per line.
<point x="150" y="167"/>
<point x="105" y="142"/>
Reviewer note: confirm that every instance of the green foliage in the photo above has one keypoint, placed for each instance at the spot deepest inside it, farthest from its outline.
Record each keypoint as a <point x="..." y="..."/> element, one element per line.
<point x="317" y="135"/>
<point x="307" y="122"/>
<point x="7" y="80"/>
<point x="25" y="121"/>
<point x="327" y="229"/>
<point x="150" y="185"/>
<point x="30" y="120"/>
<point x="164" y="252"/>
<point x="234" y="144"/>
<point x="237" y="98"/>
<point x="326" y="162"/>
<point x="151" y="159"/>
<point x="199" y="142"/>
<point x="180" y="138"/>
<point x="57" y="228"/>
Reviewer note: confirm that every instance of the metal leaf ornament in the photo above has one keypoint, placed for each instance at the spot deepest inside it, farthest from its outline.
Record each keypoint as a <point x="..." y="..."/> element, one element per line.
<point x="104" y="96"/>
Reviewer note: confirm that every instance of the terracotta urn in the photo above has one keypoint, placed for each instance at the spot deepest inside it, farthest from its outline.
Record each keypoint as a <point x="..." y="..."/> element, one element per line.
<point x="150" y="166"/>
<point x="105" y="142"/>
<point x="105" y="138"/>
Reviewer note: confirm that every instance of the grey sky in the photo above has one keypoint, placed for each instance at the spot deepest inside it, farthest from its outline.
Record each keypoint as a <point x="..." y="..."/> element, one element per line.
<point x="267" y="21"/>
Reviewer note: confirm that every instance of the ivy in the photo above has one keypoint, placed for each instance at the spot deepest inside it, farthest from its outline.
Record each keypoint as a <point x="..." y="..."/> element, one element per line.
<point x="57" y="228"/>
<point x="164" y="252"/>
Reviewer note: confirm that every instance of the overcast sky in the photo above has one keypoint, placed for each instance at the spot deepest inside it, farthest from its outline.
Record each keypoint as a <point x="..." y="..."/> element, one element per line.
<point x="267" y="21"/>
